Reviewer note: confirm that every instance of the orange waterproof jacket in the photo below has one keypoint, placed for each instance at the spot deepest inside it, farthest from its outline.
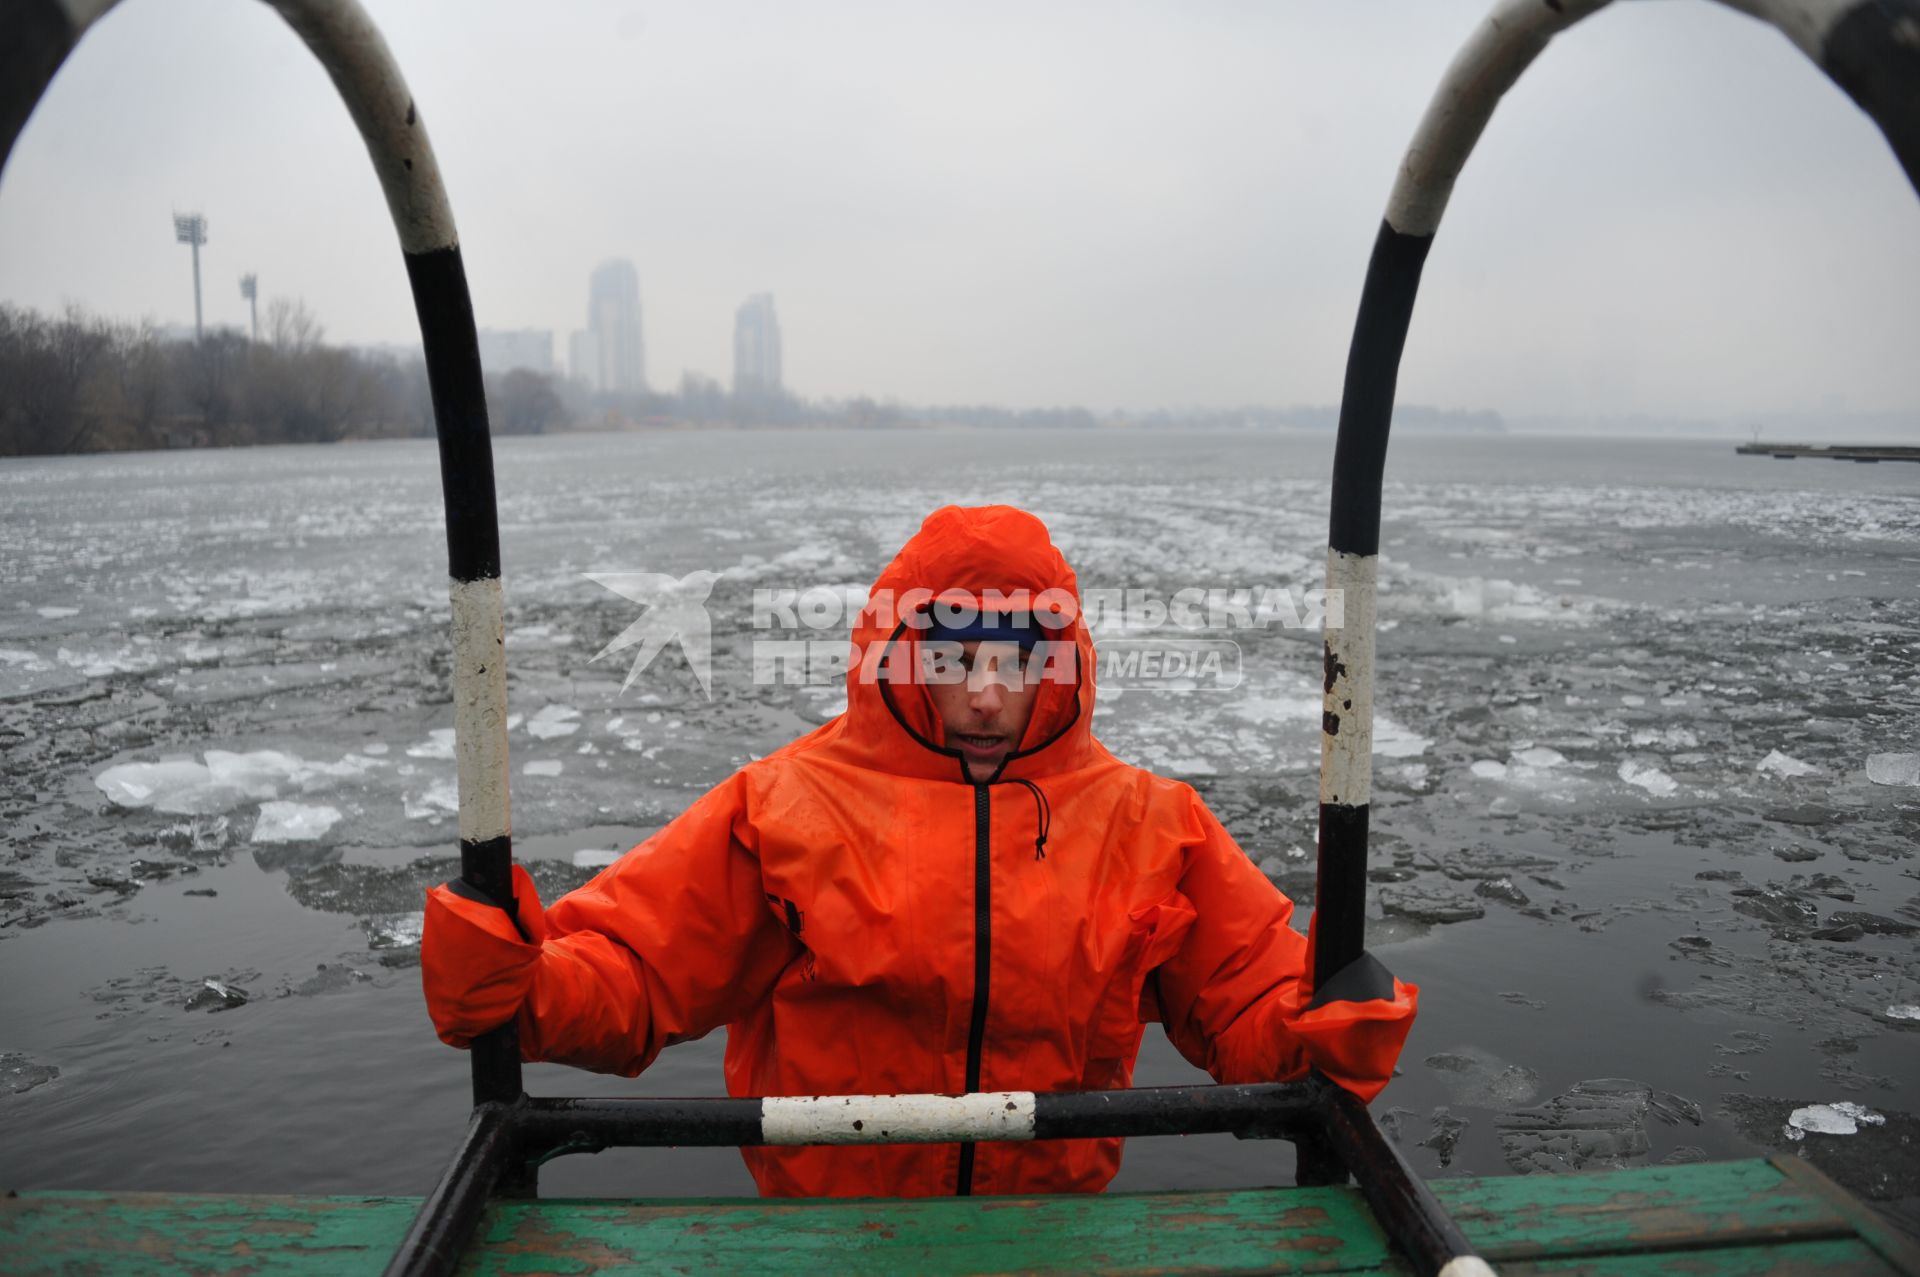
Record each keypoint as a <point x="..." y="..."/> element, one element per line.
<point x="865" y="919"/>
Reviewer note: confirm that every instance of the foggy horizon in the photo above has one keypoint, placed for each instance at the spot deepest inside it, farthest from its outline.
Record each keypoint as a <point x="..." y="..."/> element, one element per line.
<point x="1672" y="216"/>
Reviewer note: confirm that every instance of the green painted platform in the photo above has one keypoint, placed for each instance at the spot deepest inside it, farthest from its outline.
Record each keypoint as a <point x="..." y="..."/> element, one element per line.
<point x="1775" y="1216"/>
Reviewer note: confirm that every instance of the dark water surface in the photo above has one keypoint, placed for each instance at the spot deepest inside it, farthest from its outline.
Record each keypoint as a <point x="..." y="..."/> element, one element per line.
<point x="1648" y="730"/>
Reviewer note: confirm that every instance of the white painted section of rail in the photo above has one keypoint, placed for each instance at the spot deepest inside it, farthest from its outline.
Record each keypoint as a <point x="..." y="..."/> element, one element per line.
<point x="873" y="1119"/>
<point x="480" y="708"/>
<point x="1346" y="753"/>
<point x="355" y="55"/>
<point x="1468" y="1266"/>
<point x="1500" y="48"/>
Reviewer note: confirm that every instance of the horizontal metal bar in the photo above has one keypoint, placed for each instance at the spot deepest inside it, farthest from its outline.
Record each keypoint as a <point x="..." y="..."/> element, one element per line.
<point x="549" y="1127"/>
<point x="1264" y="1110"/>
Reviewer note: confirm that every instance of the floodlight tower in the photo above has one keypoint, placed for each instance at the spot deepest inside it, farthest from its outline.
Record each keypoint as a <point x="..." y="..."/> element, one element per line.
<point x="250" y="289"/>
<point x="191" y="228"/>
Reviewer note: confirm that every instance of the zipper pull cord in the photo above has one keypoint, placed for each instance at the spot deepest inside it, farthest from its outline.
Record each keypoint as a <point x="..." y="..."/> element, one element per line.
<point x="1044" y="811"/>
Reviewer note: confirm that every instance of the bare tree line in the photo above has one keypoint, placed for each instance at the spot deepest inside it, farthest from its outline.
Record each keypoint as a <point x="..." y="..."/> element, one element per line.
<point x="80" y="383"/>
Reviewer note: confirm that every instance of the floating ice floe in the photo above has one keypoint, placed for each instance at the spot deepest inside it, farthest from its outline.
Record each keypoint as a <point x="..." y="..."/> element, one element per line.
<point x="395" y="931"/>
<point x="441" y="798"/>
<point x="1843" y="1117"/>
<point x="1489" y="769"/>
<point x="553" y="721"/>
<point x="595" y="859"/>
<point x="1664" y="738"/>
<point x="183" y="787"/>
<point x="1779" y="764"/>
<point x="543" y="767"/>
<point x="1903" y="1013"/>
<point x="1539" y="756"/>
<point x="293" y="822"/>
<point x="1390" y="740"/>
<point x="1498" y="599"/>
<point x="101" y="664"/>
<point x="537" y="636"/>
<point x="439" y="744"/>
<point x="1649" y="778"/>
<point x="58" y="613"/>
<point x="1893" y="769"/>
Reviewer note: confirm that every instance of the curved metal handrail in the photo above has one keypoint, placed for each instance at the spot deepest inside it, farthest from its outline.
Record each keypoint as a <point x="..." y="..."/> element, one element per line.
<point x="1870" y="48"/>
<point x="340" y="34"/>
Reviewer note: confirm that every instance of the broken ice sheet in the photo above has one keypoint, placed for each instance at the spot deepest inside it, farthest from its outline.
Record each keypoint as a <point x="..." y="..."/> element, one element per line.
<point x="1443" y="1130"/>
<point x="553" y="721"/>
<point x="1779" y="764"/>
<point x="20" y="1074"/>
<point x="1893" y="769"/>
<point x="1601" y="1121"/>
<point x="216" y="995"/>
<point x="394" y="930"/>
<point x="1842" y="1117"/>
<point x="293" y="822"/>
<point x="1649" y="778"/>
<point x="1423" y="903"/>
<point x="224" y="781"/>
<point x="440" y="799"/>
<point x="1480" y="1078"/>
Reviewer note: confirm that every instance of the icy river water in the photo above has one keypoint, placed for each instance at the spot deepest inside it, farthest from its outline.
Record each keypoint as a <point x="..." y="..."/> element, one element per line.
<point x="1646" y="798"/>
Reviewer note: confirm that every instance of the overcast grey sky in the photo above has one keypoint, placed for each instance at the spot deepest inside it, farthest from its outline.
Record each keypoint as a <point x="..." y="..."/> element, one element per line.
<point x="1112" y="204"/>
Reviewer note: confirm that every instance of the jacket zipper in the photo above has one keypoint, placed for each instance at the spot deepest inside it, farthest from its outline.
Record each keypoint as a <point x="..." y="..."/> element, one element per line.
<point x="982" y="957"/>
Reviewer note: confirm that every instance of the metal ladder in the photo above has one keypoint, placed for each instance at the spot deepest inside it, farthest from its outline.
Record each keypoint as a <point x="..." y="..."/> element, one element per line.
<point x="1866" y="47"/>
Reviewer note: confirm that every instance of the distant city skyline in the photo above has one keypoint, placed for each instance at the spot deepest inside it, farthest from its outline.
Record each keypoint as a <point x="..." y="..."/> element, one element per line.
<point x="609" y="354"/>
<point x="503" y="350"/>
<point x="1673" y="216"/>
<point x="756" y="349"/>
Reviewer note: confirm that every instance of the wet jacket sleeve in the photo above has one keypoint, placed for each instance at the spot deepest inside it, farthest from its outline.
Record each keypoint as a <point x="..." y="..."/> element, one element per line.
<point x="665" y="945"/>
<point x="1236" y="994"/>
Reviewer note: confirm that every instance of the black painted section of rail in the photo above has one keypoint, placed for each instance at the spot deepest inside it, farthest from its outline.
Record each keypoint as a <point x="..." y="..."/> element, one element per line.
<point x="1366" y="398"/>
<point x="555" y="1126"/>
<point x="1873" y="52"/>
<point x="452" y="351"/>
<point x="1340" y="890"/>
<point x="37" y="40"/>
<point x="486" y="865"/>
<point x="1274" y="1110"/>
<point x="448" y="1217"/>
<point x="1402" y="1203"/>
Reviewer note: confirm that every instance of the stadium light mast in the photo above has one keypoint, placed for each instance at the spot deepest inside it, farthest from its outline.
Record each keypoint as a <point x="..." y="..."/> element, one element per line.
<point x="250" y="289"/>
<point x="191" y="228"/>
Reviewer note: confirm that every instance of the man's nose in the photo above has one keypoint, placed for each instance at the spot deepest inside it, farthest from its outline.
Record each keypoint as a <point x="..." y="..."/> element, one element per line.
<point x="987" y="699"/>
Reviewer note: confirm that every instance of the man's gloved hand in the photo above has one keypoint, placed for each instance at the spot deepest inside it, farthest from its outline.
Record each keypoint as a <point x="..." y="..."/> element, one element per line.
<point x="1356" y="1023"/>
<point x="476" y="959"/>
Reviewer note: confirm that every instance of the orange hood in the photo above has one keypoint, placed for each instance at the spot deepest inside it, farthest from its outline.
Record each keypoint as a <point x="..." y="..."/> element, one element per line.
<point x="977" y="552"/>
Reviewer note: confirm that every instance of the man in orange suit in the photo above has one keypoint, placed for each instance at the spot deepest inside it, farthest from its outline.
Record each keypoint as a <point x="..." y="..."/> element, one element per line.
<point x="951" y="887"/>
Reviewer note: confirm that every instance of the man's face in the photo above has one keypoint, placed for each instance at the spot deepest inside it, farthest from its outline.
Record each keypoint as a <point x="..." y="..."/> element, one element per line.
<point x="982" y="695"/>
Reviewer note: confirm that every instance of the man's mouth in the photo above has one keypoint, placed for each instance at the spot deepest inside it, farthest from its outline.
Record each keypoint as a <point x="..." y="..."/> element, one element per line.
<point x="979" y="746"/>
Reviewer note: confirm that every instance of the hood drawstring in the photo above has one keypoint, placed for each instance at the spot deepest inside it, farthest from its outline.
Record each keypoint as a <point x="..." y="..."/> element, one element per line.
<point x="1044" y="814"/>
